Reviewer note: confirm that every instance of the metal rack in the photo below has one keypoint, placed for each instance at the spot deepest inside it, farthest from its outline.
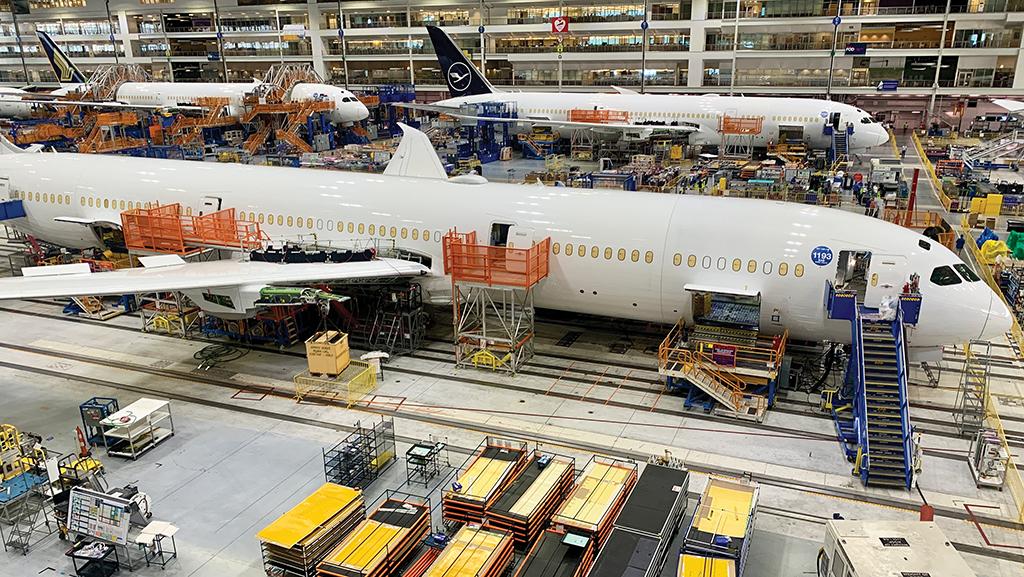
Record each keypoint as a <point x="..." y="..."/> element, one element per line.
<point x="93" y="411"/>
<point x="362" y="456"/>
<point x="137" y="428"/>
<point x="423" y="461"/>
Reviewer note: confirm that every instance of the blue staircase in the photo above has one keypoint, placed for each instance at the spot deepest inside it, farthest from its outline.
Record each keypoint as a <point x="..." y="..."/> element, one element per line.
<point x="840" y="145"/>
<point x="11" y="209"/>
<point x="871" y="412"/>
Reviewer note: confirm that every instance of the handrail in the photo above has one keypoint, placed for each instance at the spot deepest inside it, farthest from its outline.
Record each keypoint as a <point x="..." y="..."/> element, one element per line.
<point x="936" y="182"/>
<point x="901" y="380"/>
<point x="860" y="391"/>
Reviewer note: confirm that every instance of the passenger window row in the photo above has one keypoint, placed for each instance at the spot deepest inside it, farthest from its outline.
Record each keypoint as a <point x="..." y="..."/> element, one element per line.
<point x="752" y="266"/>
<point x="381" y="230"/>
<point x="89" y="201"/>
<point x="580" y="250"/>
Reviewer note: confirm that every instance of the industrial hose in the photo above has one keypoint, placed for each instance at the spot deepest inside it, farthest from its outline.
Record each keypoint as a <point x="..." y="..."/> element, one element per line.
<point x="210" y="356"/>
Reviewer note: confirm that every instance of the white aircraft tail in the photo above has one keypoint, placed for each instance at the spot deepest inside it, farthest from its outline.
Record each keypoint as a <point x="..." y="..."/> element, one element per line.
<point x="415" y="156"/>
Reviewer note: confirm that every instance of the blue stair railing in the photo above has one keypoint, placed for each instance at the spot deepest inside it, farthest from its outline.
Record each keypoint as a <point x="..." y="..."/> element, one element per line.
<point x="860" y="413"/>
<point x="906" y="430"/>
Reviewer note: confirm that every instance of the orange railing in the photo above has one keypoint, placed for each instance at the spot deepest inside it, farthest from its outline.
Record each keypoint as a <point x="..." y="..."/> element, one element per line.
<point x="921" y="220"/>
<point x="749" y="125"/>
<point x="467" y="261"/>
<point x="167" y="229"/>
<point x="688" y="362"/>
<point x="769" y="356"/>
<point x="598" y="116"/>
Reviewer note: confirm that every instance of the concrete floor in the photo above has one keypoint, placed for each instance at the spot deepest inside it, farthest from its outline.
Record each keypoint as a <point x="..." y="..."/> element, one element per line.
<point x="226" y="474"/>
<point x="231" y="469"/>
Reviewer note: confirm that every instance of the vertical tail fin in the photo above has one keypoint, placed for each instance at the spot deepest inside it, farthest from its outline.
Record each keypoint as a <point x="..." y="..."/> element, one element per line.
<point x="66" y="71"/>
<point x="462" y="77"/>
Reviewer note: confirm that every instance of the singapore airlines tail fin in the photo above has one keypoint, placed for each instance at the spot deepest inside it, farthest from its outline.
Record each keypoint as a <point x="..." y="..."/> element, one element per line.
<point x="462" y="77"/>
<point x="66" y="71"/>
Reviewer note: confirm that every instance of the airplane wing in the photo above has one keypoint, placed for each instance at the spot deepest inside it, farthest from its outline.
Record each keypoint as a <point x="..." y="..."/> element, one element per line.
<point x="1011" y="105"/>
<point x="529" y="121"/>
<point x="112" y="104"/>
<point x="171" y="273"/>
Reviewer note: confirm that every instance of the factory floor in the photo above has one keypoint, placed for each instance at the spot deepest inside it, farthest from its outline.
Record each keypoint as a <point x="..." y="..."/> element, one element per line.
<point x="237" y="461"/>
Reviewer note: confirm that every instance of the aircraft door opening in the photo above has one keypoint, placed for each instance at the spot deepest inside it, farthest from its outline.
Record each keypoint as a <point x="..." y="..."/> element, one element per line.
<point x="209" y="204"/>
<point x="886" y="276"/>
<point x="791" y="134"/>
<point x="5" y="188"/>
<point x="852" y="271"/>
<point x="726" y="310"/>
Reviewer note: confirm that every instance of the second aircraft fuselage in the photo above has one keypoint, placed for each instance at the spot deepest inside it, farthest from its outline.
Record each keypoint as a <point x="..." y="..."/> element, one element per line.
<point x="783" y="118"/>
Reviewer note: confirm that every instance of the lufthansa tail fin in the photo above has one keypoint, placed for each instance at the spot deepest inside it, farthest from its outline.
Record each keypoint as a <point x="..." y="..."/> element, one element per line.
<point x="66" y="71"/>
<point x="462" y="77"/>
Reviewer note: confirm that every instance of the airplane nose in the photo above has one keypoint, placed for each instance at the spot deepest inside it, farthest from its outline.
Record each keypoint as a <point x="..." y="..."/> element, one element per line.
<point x="999" y="321"/>
<point x="883" y="137"/>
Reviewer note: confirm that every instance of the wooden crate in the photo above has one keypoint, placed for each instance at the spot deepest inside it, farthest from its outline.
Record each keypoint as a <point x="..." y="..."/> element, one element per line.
<point x="327" y="353"/>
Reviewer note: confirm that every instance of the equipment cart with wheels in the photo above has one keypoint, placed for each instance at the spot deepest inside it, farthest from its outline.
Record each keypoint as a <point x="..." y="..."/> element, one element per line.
<point x="137" y="428"/>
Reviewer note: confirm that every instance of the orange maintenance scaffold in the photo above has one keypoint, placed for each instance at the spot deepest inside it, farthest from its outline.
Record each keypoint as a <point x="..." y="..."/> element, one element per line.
<point x="168" y="229"/>
<point x="467" y="261"/>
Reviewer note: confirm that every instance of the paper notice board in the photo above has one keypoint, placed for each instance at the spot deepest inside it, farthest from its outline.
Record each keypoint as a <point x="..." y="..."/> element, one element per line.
<point x="99" y="516"/>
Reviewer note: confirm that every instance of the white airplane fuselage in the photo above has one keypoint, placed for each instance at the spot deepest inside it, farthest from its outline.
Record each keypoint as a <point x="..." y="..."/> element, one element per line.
<point x="615" y="254"/>
<point x="803" y="118"/>
<point x="347" y="107"/>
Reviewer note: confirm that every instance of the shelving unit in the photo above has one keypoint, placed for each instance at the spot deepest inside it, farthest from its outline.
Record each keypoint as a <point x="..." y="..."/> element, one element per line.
<point x="362" y="456"/>
<point x="137" y="428"/>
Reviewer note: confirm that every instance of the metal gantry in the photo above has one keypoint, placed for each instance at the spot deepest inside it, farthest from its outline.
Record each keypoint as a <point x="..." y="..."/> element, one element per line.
<point x="493" y="326"/>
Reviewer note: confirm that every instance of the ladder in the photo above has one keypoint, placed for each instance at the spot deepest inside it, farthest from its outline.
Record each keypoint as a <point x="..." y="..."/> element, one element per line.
<point x="30" y="519"/>
<point x="973" y="392"/>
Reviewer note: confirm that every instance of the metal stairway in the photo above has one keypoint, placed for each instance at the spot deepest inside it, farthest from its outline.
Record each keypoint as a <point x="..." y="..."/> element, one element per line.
<point x="973" y="392"/>
<point x="871" y="411"/>
<point x="31" y="520"/>
<point x="840" y="145"/>
<point x="722" y="386"/>
<point x="992" y="149"/>
<point x="885" y="461"/>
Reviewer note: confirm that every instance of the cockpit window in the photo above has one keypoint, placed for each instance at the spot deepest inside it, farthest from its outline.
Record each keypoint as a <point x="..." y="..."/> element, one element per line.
<point x="924" y="244"/>
<point x="867" y="120"/>
<point x="944" y="276"/>
<point x="966" y="272"/>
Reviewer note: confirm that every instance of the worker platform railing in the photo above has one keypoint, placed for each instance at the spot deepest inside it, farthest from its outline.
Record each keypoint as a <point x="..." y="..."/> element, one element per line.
<point x="467" y="261"/>
<point x="713" y="368"/>
<point x="744" y="125"/>
<point x="168" y="229"/>
<point x="922" y="220"/>
<point x="599" y="116"/>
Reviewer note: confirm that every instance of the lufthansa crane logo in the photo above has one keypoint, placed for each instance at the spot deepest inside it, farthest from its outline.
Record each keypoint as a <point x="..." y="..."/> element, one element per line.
<point x="459" y="76"/>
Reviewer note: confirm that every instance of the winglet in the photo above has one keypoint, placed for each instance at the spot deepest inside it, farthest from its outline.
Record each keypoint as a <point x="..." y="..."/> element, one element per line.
<point x="63" y="67"/>
<point x="415" y="156"/>
<point x="462" y="77"/>
<point x="8" y="147"/>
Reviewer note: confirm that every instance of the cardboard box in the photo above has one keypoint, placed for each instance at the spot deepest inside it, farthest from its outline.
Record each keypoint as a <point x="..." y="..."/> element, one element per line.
<point x="327" y="352"/>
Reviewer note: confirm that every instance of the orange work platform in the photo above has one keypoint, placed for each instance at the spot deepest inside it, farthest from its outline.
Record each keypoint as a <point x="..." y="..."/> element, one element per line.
<point x="598" y="116"/>
<point x="747" y="125"/>
<point x="168" y="229"/>
<point x="467" y="261"/>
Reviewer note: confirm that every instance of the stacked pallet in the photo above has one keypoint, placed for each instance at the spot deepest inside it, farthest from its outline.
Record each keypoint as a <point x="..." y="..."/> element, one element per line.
<point x="297" y="541"/>
<point x="482" y="479"/>
<point x="381" y="543"/>
<point x="639" y="542"/>
<point x="474" y="552"/>
<point x="557" y="554"/>
<point x="526" y="506"/>
<point x="595" y="502"/>
<point x="718" y="538"/>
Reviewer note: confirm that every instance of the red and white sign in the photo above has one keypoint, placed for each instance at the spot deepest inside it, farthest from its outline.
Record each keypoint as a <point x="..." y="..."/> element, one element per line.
<point x="560" y="25"/>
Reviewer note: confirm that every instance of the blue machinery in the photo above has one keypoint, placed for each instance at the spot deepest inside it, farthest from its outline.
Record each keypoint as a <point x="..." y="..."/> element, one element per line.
<point x="486" y="138"/>
<point x="840" y="147"/>
<point x="871" y="409"/>
<point x="93" y="411"/>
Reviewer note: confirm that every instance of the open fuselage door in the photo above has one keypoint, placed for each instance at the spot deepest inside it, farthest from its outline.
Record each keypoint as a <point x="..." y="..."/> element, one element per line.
<point x="886" y="275"/>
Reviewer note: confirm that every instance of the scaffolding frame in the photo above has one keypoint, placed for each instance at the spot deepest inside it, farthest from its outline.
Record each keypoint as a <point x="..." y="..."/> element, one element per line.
<point x="973" y="390"/>
<point x="170" y="313"/>
<point x="492" y="300"/>
<point x="738" y="133"/>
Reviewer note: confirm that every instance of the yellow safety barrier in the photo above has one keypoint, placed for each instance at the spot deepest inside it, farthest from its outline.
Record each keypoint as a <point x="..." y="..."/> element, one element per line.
<point x="1013" y="475"/>
<point x="350" y="387"/>
<point x="936" y="182"/>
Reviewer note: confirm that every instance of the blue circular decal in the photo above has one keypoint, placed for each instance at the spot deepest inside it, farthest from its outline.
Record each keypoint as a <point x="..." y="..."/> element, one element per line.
<point x="821" y="255"/>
